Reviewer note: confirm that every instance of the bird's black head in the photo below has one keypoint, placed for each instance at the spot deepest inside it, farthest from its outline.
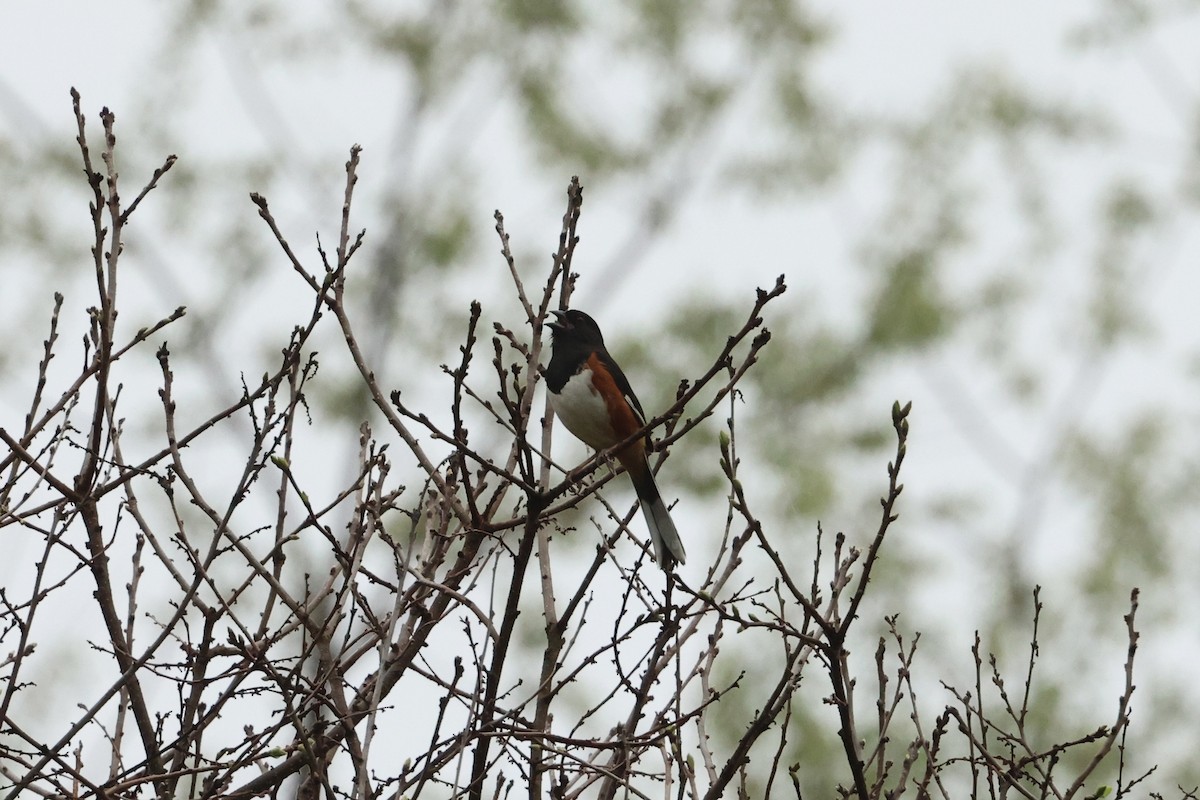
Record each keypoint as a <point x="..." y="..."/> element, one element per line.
<point x="577" y="326"/>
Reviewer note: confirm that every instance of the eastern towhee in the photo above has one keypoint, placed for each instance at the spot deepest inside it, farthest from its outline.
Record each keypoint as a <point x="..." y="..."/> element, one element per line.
<point x="592" y="397"/>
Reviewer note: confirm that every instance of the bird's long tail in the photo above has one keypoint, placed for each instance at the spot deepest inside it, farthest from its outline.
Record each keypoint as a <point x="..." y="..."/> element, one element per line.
<point x="668" y="548"/>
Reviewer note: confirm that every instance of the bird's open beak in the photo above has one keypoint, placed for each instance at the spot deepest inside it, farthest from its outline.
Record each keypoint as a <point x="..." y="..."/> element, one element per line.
<point x="559" y="320"/>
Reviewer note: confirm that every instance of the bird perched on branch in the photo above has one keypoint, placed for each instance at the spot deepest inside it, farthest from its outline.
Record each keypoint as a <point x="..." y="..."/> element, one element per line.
<point x="592" y="397"/>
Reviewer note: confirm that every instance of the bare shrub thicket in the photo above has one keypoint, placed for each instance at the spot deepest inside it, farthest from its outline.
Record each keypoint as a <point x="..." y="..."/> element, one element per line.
<point x="411" y="633"/>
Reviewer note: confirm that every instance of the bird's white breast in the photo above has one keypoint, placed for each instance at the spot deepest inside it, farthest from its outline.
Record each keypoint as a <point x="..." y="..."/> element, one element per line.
<point x="582" y="410"/>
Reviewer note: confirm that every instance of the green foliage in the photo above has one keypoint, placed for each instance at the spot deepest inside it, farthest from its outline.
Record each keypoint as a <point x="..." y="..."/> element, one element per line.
<point x="1127" y="216"/>
<point x="910" y="308"/>
<point x="1130" y="545"/>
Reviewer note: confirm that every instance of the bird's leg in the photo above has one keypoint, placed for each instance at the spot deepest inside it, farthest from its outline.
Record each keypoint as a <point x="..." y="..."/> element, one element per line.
<point x="607" y="459"/>
<point x="577" y="473"/>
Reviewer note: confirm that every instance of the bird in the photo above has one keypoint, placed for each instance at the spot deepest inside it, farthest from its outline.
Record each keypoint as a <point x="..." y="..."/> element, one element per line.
<point x="592" y="397"/>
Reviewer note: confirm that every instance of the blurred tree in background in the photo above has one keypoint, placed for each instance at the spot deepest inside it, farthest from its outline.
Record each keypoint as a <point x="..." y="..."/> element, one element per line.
<point x="991" y="246"/>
